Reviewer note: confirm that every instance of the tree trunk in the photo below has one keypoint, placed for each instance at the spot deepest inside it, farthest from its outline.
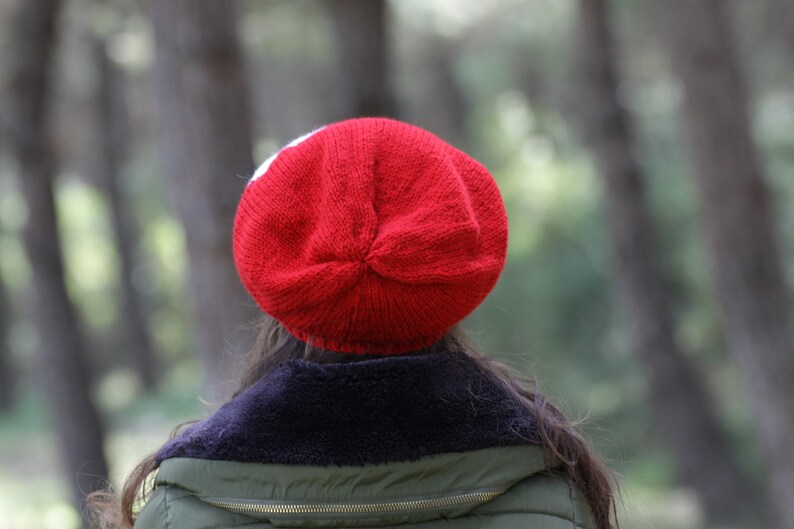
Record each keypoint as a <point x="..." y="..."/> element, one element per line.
<point x="737" y="214"/>
<point x="63" y="369"/>
<point x="206" y="137"/>
<point x="362" y="55"/>
<point x="779" y="19"/>
<point x="6" y="366"/>
<point x="678" y="398"/>
<point x="112" y="137"/>
<point x="446" y="106"/>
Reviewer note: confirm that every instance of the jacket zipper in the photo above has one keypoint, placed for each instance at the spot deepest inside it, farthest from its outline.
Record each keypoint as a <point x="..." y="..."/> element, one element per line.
<point x="389" y="507"/>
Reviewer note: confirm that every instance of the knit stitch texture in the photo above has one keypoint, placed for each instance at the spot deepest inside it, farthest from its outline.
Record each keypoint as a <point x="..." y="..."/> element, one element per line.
<point x="370" y="236"/>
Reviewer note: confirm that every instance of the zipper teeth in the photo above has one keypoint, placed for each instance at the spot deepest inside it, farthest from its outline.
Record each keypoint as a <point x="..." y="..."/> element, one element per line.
<point x="356" y="508"/>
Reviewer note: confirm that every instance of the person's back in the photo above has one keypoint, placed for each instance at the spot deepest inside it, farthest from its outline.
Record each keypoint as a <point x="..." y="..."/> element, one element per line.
<point x="367" y="242"/>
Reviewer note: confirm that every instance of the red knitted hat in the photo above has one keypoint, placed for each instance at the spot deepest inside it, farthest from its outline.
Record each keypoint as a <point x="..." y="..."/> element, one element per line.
<point x="370" y="235"/>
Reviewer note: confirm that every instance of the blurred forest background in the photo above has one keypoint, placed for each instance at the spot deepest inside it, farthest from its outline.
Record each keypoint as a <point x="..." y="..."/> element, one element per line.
<point x="645" y="150"/>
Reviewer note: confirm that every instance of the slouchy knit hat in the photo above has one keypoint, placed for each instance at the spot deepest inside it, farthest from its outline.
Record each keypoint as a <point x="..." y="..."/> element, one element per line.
<point x="370" y="235"/>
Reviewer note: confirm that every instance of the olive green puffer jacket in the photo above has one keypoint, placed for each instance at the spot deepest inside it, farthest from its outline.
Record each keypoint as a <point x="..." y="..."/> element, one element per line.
<point x="503" y="488"/>
<point x="429" y="440"/>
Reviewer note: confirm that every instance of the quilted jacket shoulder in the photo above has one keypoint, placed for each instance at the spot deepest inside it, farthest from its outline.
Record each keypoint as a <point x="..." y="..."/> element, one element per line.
<point x="425" y="441"/>
<point x="499" y="487"/>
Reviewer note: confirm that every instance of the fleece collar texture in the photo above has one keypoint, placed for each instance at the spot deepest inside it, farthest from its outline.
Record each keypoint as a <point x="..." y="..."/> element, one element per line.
<point x="390" y="409"/>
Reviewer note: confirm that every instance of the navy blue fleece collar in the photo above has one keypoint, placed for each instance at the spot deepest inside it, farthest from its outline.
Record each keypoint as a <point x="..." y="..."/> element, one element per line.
<point x="396" y="408"/>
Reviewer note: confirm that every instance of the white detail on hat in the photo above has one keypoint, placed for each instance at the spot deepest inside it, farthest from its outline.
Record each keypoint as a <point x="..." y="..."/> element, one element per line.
<point x="266" y="164"/>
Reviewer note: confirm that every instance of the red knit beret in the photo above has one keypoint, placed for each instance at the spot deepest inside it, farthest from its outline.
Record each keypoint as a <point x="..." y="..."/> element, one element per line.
<point x="370" y="235"/>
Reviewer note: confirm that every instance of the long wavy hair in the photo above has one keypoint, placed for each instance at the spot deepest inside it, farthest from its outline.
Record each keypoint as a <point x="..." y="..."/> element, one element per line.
<point x="570" y="453"/>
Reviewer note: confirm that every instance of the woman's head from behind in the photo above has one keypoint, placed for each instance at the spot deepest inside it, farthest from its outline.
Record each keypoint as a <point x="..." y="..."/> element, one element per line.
<point x="371" y="238"/>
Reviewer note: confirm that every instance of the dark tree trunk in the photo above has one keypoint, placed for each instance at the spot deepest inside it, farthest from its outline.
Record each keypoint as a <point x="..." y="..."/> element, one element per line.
<point x="779" y="22"/>
<point x="63" y="369"/>
<point x="112" y="138"/>
<point x="6" y="366"/>
<point x="736" y="211"/>
<point x="206" y="139"/>
<point x="446" y="105"/>
<point x="679" y="400"/>
<point x="363" y="56"/>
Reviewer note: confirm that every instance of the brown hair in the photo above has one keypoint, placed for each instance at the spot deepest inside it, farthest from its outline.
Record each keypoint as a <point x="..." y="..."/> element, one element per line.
<point x="274" y="345"/>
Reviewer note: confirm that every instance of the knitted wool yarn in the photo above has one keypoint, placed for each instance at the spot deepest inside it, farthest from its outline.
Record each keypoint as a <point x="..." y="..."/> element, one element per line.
<point x="370" y="235"/>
